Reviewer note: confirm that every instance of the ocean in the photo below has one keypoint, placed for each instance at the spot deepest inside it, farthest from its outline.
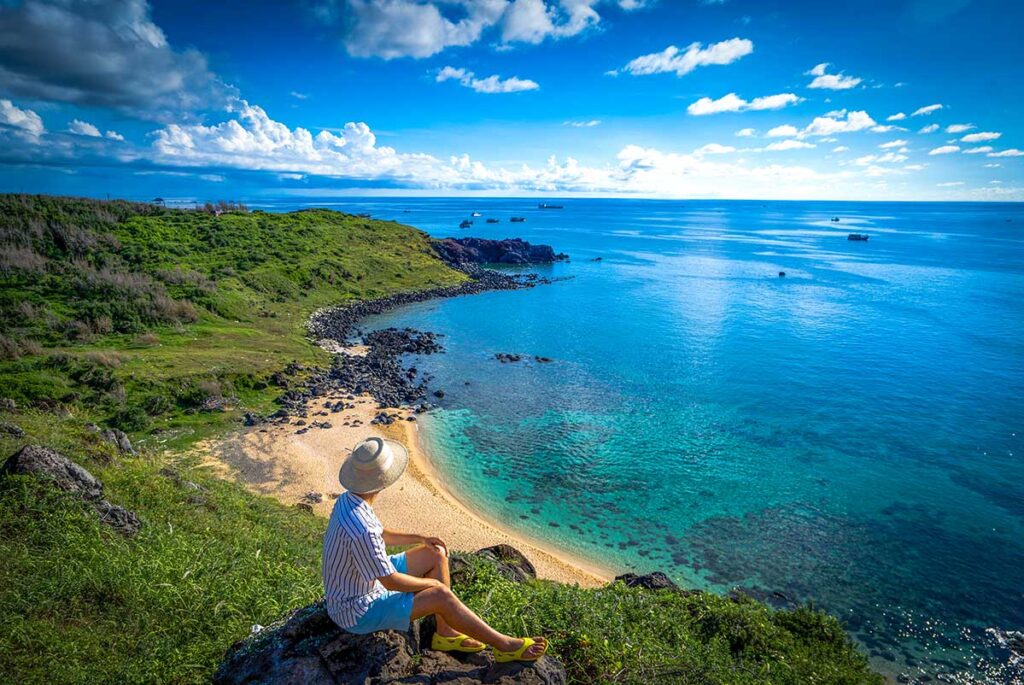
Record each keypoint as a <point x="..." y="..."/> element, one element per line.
<point x="848" y="434"/>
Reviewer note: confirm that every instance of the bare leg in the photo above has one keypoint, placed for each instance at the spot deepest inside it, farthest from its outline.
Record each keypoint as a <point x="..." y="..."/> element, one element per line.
<point x="441" y="602"/>
<point x="427" y="561"/>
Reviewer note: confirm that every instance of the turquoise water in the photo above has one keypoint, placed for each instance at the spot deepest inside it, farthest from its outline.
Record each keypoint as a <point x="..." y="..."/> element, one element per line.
<point x="848" y="435"/>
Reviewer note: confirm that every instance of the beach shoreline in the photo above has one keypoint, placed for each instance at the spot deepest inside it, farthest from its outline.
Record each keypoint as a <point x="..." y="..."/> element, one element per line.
<point x="300" y="467"/>
<point x="426" y="471"/>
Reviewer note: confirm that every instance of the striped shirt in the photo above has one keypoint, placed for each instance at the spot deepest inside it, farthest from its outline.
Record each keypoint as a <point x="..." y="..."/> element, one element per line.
<point x="354" y="558"/>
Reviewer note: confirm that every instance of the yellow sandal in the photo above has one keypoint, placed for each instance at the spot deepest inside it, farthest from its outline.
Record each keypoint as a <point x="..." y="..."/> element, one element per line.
<point x="441" y="643"/>
<point x="517" y="655"/>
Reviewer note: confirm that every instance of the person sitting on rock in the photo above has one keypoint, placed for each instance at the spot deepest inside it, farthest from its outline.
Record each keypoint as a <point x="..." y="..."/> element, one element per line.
<point x="366" y="590"/>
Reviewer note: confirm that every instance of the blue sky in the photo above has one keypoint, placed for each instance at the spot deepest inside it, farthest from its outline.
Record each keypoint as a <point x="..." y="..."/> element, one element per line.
<point x="889" y="100"/>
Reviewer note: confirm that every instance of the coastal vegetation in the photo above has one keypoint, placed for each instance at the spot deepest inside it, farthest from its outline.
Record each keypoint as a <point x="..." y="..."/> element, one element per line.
<point x="169" y="325"/>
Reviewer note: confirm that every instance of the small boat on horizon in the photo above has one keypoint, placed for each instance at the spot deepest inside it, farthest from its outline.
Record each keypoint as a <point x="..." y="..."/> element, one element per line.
<point x="466" y="223"/>
<point x="858" y="236"/>
<point x="834" y="219"/>
<point x="476" y="214"/>
<point x="518" y="219"/>
<point x="545" y="205"/>
<point x="492" y="221"/>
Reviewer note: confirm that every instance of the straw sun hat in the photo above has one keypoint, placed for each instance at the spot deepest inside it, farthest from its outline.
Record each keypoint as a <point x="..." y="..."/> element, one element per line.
<point x="374" y="464"/>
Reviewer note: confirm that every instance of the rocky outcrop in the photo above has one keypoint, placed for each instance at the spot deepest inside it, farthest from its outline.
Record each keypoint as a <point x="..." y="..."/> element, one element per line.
<point x="43" y="462"/>
<point x="307" y="647"/>
<point x="650" y="581"/>
<point x="510" y="562"/>
<point x="460" y="252"/>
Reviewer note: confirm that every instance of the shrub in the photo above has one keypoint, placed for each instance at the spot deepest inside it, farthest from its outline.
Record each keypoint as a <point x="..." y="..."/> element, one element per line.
<point x="147" y="339"/>
<point x="111" y="360"/>
<point x="131" y="419"/>
<point x="9" y="349"/>
<point x="21" y="259"/>
<point x="155" y="405"/>
<point x="31" y="347"/>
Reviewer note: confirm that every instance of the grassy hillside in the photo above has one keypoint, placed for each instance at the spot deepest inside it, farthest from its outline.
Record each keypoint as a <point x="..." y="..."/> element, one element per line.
<point x="134" y="315"/>
<point x="137" y="316"/>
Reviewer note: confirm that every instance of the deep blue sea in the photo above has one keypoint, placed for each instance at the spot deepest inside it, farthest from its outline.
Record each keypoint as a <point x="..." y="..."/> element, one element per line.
<point x="849" y="434"/>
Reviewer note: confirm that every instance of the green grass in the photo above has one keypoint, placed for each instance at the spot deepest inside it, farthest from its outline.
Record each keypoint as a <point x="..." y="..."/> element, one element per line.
<point x="81" y="604"/>
<point x="134" y="315"/>
<point x="619" y="634"/>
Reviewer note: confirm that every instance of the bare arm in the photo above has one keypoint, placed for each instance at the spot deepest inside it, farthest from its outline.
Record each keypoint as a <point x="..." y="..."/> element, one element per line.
<point x="397" y="539"/>
<point x="403" y="582"/>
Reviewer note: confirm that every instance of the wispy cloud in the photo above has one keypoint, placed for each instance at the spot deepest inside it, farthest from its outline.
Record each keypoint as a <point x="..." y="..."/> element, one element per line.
<point x="590" y="123"/>
<point x="788" y="145"/>
<point x="930" y="128"/>
<point x="1012" y="152"/>
<point x="490" y="85"/>
<point x="945" y="150"/>
<point x="981" y="137"/>
<point x="899" y="116"/>
<point x="745" y="133"/>
<point x="672" y="60"/>
<point x="927" y="109"/>
<point x="959" y="128"/>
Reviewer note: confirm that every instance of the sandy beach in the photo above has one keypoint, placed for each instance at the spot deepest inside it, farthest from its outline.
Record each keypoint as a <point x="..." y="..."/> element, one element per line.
<point x="279" y="461"/>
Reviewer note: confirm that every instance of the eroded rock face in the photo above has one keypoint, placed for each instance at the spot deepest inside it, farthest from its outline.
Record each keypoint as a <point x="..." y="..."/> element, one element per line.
<point x="308" y="648"/>
<point x="42" y="462"/>
<point x="459" y="252"/>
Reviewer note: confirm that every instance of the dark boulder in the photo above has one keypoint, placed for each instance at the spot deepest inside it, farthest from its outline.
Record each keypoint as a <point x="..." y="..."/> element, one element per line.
<point x="42" y="462"/>
<point x="11" y="430"/>
<point x="510" y="562"/>
<point x="119" y="439"/>
<point x="651" y="581"/>
<point x="308" y="648"/>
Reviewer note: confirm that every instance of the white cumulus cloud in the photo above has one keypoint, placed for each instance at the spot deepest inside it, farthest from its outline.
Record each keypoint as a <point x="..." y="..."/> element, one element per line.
<point x="846" y="122"/>
<point x="83" y="128"/>
<point x="959" y="128"/>
<point x="930" y="128"/>
<point x="899" y="116"/>
<point x="23" y="123"/>
<point x="1012" y="152"/>
<point x="783" y="131"/>
<point x="392" y="29"/>
<point x="733" y="103"/>
<point x="745" y="133"/>
<point x="824" y="80"/>
<point x="978" y="150"/>
<point x="944" y="150"/>
<point x="893" y="143"/>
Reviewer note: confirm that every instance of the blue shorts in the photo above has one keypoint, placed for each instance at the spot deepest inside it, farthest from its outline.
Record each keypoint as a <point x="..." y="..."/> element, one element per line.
<point x="390" y="611"/>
